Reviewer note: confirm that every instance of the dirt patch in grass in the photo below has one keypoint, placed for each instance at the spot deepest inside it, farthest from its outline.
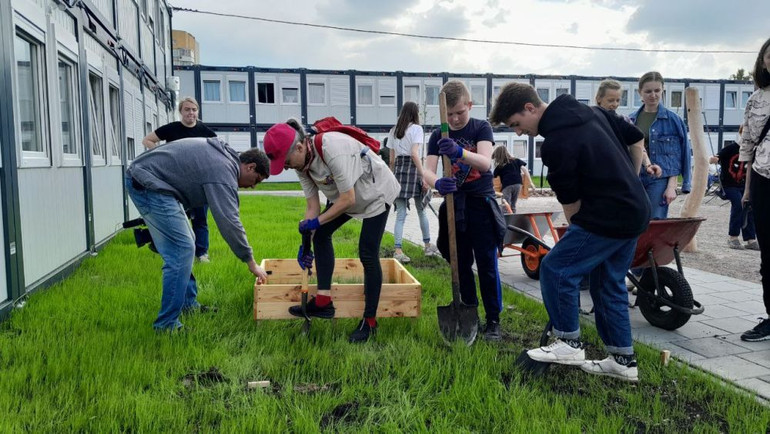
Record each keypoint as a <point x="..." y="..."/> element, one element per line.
<point x="309" y="388"/>
<point x="346" y="413"/>
<point x="208" y="378"/>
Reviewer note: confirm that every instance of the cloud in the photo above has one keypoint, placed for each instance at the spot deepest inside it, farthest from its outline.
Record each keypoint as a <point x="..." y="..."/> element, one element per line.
<point x="359" y="13"/>
<point x="700" y="22"/>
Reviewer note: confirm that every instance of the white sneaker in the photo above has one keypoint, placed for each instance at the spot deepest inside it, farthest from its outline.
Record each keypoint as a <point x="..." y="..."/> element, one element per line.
<point x="558" y="352"/>
<point x="204" y="258"/>
<point x="402" y="258"/>
<point x="431" y="250"/>
<point x="611" y="368"/>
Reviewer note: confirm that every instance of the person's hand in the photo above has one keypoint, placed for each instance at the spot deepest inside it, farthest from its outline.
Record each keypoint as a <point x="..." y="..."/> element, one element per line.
<point x="669" y="195"/>
<point x="425" y="186"/>
<point x="305" y="259"/>
<point x="309" y="225"/>
<point x="258" y="271"/>
<point x="446" y="185"/>
<point x="449" y="147"/>
<point x="654" y="170"/>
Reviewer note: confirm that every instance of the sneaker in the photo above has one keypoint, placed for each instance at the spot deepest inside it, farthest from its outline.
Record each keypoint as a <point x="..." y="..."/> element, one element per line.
<point x="759" y="333"/>
<point x="735" y="243"/>
<point x="560" y="352"/>
<point x="326" y="312"/>
<point x="616" y="366"/>
<point x="200" y="308"/>
<point x="492" y="331"/>
<point x="752" y="245"/>
<point x="431" y="250"/>
<point x="204" y="258"/>
<point x="362" y="333"/>
<point x="402" y="258"/>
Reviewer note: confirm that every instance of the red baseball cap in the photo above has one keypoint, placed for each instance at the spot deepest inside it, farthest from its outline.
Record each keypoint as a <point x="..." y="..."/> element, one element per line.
<point x="278" y="141"/>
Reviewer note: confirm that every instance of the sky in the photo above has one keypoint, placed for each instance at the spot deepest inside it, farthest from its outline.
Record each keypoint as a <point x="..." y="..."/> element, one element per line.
<point x="738" y="25"/>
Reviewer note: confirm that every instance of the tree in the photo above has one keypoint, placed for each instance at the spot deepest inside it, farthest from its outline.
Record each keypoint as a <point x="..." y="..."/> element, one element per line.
<point x="741" y="75"/>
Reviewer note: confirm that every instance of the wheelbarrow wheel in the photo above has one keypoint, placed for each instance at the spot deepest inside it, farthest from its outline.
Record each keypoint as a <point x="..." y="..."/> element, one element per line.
<point x="674" y="287"/>
<point x="531" y="264"/>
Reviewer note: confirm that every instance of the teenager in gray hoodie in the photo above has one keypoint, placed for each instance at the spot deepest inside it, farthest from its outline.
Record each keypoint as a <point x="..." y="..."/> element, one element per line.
<point x="188" y="173"/>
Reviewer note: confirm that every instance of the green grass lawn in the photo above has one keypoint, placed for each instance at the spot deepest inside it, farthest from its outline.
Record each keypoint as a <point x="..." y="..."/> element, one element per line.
<point x="278" y="186"/>
<point x="82" y="356"/>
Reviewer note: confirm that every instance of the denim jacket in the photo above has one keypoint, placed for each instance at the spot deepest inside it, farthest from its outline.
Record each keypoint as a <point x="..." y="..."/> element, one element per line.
<point x="669" y="146"/>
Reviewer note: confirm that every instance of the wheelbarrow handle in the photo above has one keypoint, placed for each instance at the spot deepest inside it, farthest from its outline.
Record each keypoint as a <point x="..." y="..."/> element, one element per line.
<point x="529" y="236"/>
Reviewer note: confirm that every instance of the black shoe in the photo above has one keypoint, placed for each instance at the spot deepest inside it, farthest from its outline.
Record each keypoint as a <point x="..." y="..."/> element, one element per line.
<point x="492" y="331"/>
<point x="201" y="308"/>
<point x="363" y="332"/>
<point x="759" y="333"/>
<point x="326" y="312"/>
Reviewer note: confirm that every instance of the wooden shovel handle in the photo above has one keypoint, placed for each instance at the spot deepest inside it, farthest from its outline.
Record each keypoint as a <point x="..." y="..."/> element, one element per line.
<point x="450" y="204"/>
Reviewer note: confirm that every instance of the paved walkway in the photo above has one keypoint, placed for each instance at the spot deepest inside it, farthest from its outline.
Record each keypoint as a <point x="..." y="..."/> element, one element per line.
<point x="710" y="341"/>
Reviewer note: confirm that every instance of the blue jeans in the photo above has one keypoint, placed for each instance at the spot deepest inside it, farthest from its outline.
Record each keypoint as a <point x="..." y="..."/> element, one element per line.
<point x="198" y="217"/>
<point x="171" y="233"/>
<point x="734" y="195"/>
<point x="398" y="231"/>
<point x="577" y="254"/>
<point x="655" y="187"/>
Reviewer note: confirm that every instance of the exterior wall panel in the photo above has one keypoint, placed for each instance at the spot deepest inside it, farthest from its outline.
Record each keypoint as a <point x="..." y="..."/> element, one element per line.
<point x="108" y="201"/>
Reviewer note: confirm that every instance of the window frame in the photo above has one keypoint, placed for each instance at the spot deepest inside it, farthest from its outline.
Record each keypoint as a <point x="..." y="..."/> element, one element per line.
<point x="204" y="81"/>
<point x="283" y="94"/>
<point x="483" y="86"/>
<point x="438" y="91"/>
<point x="94" y="112"/>
<point x="116" y="148"/>
<point x="359" y="87"/>
<point x="27" y="158"/>
<point x="412" y="85"/>
<point x="681" y="99"/>
<point x="313" y="84"/>
<point x="71" y="159"/>
<point x="736" y="103"/>
<point x="265" y="82"/>
<point x="230" y="93"/>
<point x="748" y="94"/>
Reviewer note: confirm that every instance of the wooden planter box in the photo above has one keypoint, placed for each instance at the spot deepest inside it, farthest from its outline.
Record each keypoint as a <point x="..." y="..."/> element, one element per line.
<point x="400" y="296"/>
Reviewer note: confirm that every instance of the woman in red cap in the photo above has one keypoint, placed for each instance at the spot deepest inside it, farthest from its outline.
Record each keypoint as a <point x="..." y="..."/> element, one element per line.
<point x="357" y="184"/>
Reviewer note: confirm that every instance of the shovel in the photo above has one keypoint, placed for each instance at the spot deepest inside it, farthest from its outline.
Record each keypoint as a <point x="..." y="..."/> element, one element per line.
<point x="305" y="247"/>
<point x="457" y="320"/>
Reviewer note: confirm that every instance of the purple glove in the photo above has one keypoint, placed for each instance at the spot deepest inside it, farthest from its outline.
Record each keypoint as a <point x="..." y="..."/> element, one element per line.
<point x="449" y="147"/>
<point x="308" y="225"/>
<point x="446" y="186"/>
<point x="305" y="259"/>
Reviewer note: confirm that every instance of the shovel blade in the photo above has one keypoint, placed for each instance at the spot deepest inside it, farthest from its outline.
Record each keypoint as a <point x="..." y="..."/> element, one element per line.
<point x="458" y="322"/>
<point x="530" y="367"/>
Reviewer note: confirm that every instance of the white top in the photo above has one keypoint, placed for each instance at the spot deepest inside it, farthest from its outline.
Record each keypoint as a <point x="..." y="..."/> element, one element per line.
<point x="343" y="168"/>
<point x="403" y="146"/>
<point x="756" y="115"/>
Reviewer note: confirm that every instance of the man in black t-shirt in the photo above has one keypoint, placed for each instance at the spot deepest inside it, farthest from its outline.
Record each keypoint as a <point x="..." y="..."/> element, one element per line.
<point x="732" y="176"/>
<point x="190" y="126"/>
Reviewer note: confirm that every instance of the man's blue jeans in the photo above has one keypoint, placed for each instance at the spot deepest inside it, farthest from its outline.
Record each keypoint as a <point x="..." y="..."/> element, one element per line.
<point x="734" y="195"/>
<point x="174" y="240"/>
<point x="577" y="254"/>
<point x="199" y="219"/>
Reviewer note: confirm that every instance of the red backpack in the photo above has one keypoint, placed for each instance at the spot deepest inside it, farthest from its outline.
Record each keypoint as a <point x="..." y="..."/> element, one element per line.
<point x="332" y="124"/>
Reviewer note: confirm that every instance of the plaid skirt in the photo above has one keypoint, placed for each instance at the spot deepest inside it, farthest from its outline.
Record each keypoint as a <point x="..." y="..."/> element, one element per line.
<point x="406" y="174"/>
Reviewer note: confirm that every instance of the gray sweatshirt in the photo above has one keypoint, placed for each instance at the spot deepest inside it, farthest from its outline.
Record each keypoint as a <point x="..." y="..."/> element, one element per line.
<point x="197" y="172"/>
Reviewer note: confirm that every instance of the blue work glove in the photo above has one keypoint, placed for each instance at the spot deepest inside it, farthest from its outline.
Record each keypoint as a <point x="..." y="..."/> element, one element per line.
<point x="308" y="225"/>
<point x="305" y="259"/>
<point x="449" y="147"/>
<point x="446" y="186"/>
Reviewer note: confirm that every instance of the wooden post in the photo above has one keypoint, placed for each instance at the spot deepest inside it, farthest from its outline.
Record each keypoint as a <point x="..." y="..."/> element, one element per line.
<point x="700" y="161"/>
<point x="665" y="355"/>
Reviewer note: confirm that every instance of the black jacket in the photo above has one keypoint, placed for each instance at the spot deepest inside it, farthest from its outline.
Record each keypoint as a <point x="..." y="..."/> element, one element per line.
<point x="586" y="151"/>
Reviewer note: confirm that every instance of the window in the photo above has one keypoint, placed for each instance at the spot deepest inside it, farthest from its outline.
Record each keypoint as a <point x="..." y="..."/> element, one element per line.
<point x="637" y="99"/>
<point x="161" y="32"/>
<point x="365" y="94"/>
<point x="624" y="98"/>
<point x="30" y="93"/>
<point x="520" y="149"/>
<point x="237" y="91"/>
<point x="431" y="94"/>
<point x="316" y="93"/>
<point x="290" y="95"/>
<point x="731" y="99"/>
<point x="676" y="99"/>
<point x="148" y="128"/>
<point x="114" y="130"/>
<point x="387" y="100"/>
<point x="266" y="93"/>
<point x="538" y="145"/>
<point x="211" y="91"/>
<point x="68" y="107"/>
<point x="544" y="94"/>
<point x="96" y="112"/>
<point x="561" y="91"/>
<point x="478" y="94"/>
<point x="745" y="97"/>
<point x="131" y="148"/>
<point x="412" y="93"/>
<point x="496" y="91"/>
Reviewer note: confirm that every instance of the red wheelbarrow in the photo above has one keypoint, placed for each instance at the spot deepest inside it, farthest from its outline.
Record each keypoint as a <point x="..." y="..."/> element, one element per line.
<point x="534" y="225"/>
<point x="663" y="294"/>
